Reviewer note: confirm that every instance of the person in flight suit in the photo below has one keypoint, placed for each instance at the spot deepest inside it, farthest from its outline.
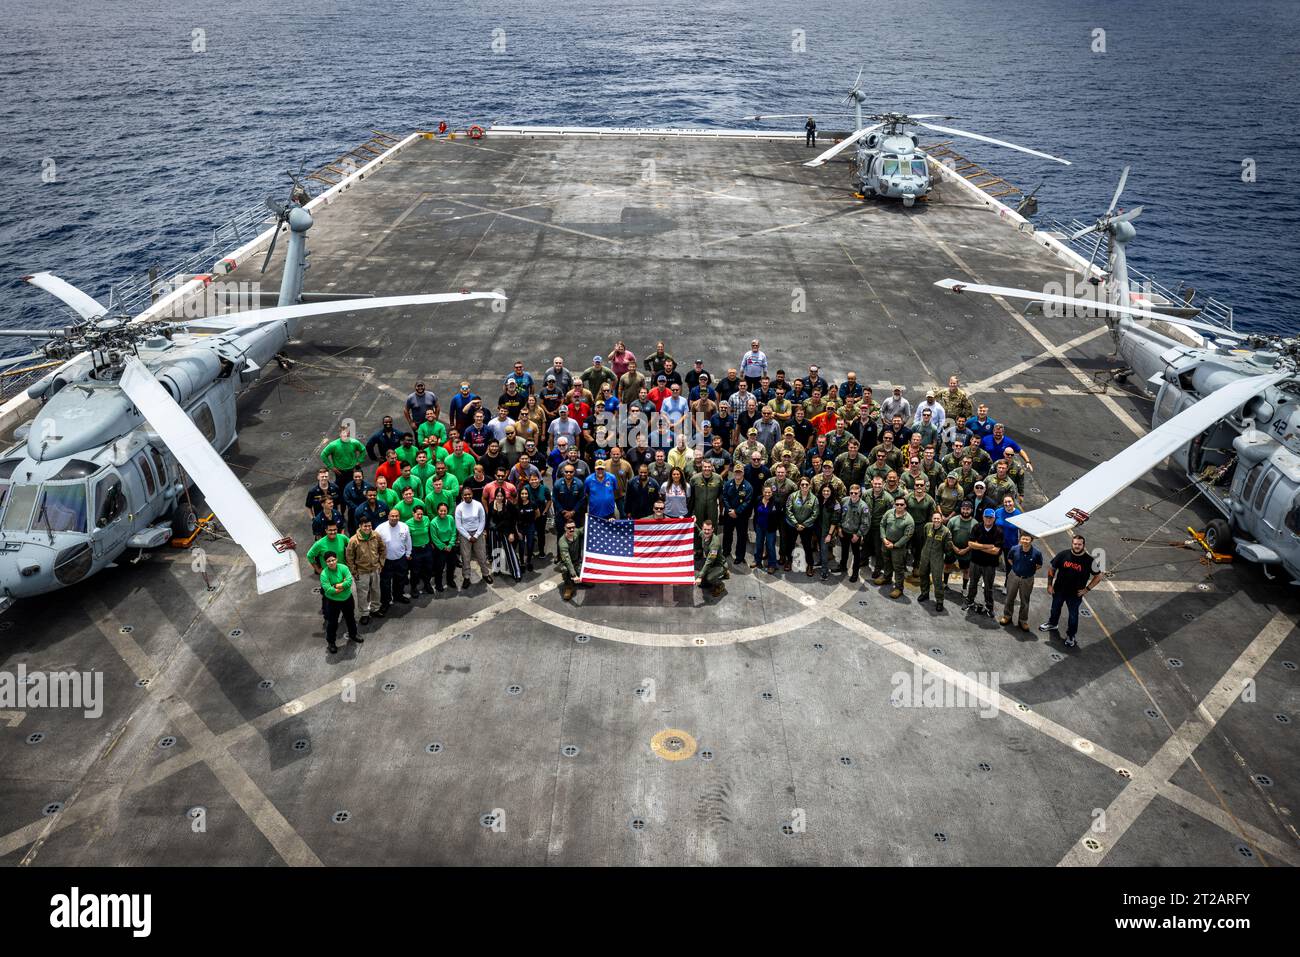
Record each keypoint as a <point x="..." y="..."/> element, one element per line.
<point x="714" y="571"/>
<point x="896" y="531"/>
<point x="935" y="549"/>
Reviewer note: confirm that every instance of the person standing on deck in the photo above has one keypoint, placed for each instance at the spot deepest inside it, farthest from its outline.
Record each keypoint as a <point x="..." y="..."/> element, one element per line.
<point x="336" y="586"/>
<point x="1067" y="582"/>
<point x="364" y="555"/>
<point x="810" y="132"/>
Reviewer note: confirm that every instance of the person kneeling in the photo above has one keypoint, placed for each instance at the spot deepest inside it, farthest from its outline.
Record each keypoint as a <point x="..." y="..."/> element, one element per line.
<point x="714" y="572"/>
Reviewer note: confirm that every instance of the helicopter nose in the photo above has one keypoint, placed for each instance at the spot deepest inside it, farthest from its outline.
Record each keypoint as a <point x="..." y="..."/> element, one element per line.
<point x="26" y="571"/>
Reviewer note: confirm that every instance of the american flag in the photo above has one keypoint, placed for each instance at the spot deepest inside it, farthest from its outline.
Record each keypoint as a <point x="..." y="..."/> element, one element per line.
<point x="643" y="550"/>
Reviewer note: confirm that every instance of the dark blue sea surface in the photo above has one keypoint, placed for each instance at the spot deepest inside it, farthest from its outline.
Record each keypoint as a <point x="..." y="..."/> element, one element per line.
<point x="154" y="144"/>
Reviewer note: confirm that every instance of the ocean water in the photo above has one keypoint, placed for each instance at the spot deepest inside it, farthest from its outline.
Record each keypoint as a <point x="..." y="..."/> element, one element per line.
<point x="154" y="144"/>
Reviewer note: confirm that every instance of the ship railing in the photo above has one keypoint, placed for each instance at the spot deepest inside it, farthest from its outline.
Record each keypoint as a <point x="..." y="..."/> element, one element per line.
<point x="1213" y="310"/>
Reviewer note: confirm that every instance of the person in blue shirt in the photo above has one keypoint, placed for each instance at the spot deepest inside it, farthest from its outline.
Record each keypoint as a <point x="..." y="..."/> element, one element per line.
<point x="380" y="442"/>
<point x="737" y="506"/>
<point x="981" y="425"/>
<point x="570" y="496"/>
<point x="522" y="379"/>
<point x="601" y="489"/>
<point x="1010" y="533"/>
<point x="463" y="406"/>
<point x="998" y="441"/>
<point x="354" y="496"/>
<point x="1025" y="560"/>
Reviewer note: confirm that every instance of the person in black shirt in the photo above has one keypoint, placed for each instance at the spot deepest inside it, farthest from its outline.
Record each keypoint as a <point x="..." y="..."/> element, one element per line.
<point x="985" y="553"/>
<point x="1070" y="576"/>
<point x="324" y="488"/>
<point x="810" y="132"/>
<point x="803" y="429"/>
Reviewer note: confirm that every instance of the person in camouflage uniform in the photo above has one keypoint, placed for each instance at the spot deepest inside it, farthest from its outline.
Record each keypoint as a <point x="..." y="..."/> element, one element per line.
<point x="954" y="400"/>
<point x="568" y="557"/>
<point x="851" y="465"/>
<point x="879" y="467"/>
<point x="1015" y="471"/>
<point x="827" y="476"/>
<point x="936" y="547"/>
<point x="714" y="571"/>
<point x="896" y="531"/>
<point x="932" y="469"/>
<point x="998" y="485"/>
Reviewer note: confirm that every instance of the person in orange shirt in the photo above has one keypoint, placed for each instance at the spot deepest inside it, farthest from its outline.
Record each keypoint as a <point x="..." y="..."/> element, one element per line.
<point x="390" y="469"/>
<point x="824" y="422"/>
<point x="660" y="391"/>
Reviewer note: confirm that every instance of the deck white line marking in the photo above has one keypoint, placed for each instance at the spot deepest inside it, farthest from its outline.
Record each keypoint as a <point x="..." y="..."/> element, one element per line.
<point x="539" y="222"/>
<point x="1123" y="585"/>
<point x="1181" y="747"/>
<point x="1115" y="408"/>
<point x="12" y="719"/>
<point x="1020" y="367"/>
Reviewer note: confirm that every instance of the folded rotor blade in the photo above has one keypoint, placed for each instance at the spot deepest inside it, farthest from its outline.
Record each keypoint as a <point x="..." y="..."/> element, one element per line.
<point x="1114" y="200"/>
<point x="239" y="513"/>
<point x="842" y="145"/>
<point x="254" y="317"/>
<point x="1128" y="215"/>
<point x="989" y="139"/>
<point x="83" y="304"/>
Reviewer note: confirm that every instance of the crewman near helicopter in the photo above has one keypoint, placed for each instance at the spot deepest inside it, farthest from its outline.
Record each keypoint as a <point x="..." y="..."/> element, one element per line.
<point x="810" y="132"/>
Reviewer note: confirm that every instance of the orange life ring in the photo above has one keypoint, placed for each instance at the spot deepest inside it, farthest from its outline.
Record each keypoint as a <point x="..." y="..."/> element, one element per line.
<point x="476" y="132"/>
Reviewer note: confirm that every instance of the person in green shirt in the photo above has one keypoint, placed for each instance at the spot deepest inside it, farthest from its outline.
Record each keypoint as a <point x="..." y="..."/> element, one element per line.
<point x="801" y="512"/>
<point x="409" y="503"/>
<point x="384" y="495"/>
<point x="714" y="572"/>
<point x="438" y="493"/>
<point x="443" y="542"/>
<point x="405" y="481"/>
<point x="920" y="505"/>
<point x="332" y="544"/>
<point x="962" y="525"/>
<point x="431" y="431"/>
<point x="336" y="587"/>
<point x="461" y="462"/>
<point x="421" y="549"/>
<point x="896" y="532"/>
<point x="422" y="471"/>
<point x="407" y="451"/>
<point x="343" y="455"/>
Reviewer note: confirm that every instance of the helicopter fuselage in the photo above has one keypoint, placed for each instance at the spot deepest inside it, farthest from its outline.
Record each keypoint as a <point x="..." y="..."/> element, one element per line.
<point x="891" y="165"/>
<point x="91" y="480"/>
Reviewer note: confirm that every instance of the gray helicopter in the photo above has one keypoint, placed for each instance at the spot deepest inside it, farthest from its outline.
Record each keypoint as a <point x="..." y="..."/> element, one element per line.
<point x="137" y="413"/>
<point x="1226" y="408"/>
<point x="888" y="161"/>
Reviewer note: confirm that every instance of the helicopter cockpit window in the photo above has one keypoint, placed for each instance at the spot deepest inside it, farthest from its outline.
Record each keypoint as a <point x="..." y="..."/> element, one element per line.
<point x="146" y="473"/>
<point x="1293" y="516"/>
<point x="919" y="169"/>
<point x="7" y="468"/>
<point x="1265" y="487"/>
<point x="62" y="508"/>
<point x="890" y="168"/>
<point x="109" y="501"/>
<point x="75" y="469"/>
<point x="18" y="513"/>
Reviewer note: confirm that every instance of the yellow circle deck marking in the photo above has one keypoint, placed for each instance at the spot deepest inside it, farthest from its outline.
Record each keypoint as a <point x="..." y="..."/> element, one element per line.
<point x="673" y="745"/>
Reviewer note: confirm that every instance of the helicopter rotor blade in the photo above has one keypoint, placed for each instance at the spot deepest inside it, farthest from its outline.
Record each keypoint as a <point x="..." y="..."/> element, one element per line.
<point x="238" y="511"/>
<point x="275" y="237"/>
<point x="988" y="139"/>
<point x="83" y="304"/>
<point x="1128" y="216"/>
<point x="255" y="317"/>
<point x="19" y="360"/>
<point x="795" y="116"/>
<point x="1114" y="201"/>
<point x="956" y="285"/>
<point x="1095" y="249"/>
<point x="1085" y="231"/>
<point x="842" y="145"/>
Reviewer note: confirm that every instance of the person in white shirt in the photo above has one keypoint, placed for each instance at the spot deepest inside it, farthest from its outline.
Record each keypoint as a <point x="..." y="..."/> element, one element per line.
<point x="471" y="525"/>
<point x="392" y="579"/>
<point x="937" y="413"/>
<point x="753" y="365"/>
<point x="497" y="427"/>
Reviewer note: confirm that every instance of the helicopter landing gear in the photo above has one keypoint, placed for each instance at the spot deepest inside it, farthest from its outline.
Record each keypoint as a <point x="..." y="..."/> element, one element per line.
<point x="284" y="361"/>
<point x="1218" y="536"/>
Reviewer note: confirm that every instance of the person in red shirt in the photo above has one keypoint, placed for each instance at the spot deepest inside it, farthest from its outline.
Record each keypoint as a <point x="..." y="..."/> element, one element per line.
<point x="390" y="469"/>
<point x="490" y="490"/>
<point x="579" y="408"/>
<point x="660" y="391"/>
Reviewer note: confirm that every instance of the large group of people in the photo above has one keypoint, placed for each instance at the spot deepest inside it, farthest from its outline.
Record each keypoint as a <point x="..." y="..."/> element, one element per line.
<point x="784" y="473"/>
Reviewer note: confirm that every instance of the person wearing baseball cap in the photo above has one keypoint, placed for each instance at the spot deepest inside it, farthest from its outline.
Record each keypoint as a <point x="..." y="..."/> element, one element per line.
<point x="602" y="489"/>
<point x="660" y="391"/>
<point x="596" y="375"/>
<point x="986" y="552"/>
<point x="693" y="376"/>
